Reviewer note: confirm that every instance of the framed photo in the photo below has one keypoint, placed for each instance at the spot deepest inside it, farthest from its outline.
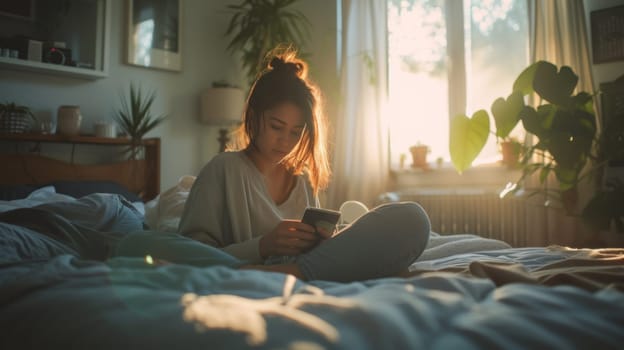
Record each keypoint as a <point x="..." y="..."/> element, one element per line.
<point x="155" y="34"/>
<point x="607" y="33"/>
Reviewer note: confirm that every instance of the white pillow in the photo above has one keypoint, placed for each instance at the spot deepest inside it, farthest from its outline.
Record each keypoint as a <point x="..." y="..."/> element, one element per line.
<point x="163" y="213"/>
<point x="351" y="211"/>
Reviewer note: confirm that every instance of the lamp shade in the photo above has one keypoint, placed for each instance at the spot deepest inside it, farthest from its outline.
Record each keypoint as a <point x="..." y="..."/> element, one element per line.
<point x="221" y="106"/>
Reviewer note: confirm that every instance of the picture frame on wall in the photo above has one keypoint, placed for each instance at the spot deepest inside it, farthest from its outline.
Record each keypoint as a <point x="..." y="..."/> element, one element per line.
<point x="607" y="34"/>
<point x="155" y="34"/>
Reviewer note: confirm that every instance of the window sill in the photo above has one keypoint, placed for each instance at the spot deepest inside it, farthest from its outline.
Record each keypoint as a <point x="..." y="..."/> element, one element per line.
<point x="482" y="178"/>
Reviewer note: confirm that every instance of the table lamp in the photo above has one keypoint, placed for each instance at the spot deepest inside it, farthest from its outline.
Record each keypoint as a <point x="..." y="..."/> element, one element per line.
<point x="222" y="106"/>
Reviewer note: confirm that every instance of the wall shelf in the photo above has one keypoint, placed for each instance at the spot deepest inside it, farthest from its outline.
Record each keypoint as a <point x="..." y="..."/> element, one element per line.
<point x="80" y="139"/>
<point x="95" y="15"/>
<point x="49" y="68"/>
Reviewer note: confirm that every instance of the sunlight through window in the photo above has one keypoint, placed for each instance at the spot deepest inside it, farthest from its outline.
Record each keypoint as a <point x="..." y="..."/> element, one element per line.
<point x="495" y="45"/>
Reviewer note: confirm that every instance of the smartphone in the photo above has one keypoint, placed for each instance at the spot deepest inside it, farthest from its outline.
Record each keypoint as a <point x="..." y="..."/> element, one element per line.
<point x="321" y="218"/>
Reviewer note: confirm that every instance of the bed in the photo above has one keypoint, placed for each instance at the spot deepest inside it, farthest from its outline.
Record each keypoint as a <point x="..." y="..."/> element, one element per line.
<point x="464" y="292"/>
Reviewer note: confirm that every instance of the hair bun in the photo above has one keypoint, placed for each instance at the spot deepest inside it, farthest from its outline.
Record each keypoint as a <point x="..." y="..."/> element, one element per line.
<point x="280" y="65"/>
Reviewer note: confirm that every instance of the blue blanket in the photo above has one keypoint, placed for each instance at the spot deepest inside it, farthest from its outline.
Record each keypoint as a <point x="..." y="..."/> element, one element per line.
<point x="52" y="296"/>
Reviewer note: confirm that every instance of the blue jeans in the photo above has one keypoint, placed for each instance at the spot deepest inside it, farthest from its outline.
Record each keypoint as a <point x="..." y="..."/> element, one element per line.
<point x="381" y="243"/>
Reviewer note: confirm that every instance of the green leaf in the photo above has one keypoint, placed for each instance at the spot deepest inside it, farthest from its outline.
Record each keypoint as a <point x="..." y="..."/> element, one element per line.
<point x="506" y="113"/>
<point x="555" y="87"/>
<point x="531" y="121"/>
<point x="571" y="138"/>
<point x="259" y="26"/>
<point x="543" y="176"/>
<point x="524" y="82"/>
<point x="467" y="138"/>
<point x="566" y="176"/>
<point x="134" y="117"/>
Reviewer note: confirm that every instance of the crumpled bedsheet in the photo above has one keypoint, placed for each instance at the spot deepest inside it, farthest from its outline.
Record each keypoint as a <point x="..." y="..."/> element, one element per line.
<point x="129" y="303"/>
<point x="53" y="297"/>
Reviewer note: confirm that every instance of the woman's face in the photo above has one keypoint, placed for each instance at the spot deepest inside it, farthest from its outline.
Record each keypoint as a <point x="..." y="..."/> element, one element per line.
<point x="280" y="130"/>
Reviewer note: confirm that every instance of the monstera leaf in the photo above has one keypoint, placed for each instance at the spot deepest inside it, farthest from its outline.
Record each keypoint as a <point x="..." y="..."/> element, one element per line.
<point x="467" y="138"/>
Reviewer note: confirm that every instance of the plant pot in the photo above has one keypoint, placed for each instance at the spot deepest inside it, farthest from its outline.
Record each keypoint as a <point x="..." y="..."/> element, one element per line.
<point x="511" y="153"/>
<point x="14" y="123"/>
<point x="419" y="156"/>
<point x="68" y="120"/>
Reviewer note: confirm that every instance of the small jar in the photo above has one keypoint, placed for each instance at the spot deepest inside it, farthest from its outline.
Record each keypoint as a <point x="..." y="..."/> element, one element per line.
<point x="68" y="120"/>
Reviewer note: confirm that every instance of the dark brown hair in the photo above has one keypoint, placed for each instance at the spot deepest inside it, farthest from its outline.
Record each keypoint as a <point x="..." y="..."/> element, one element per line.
<point x="285" y="80"/>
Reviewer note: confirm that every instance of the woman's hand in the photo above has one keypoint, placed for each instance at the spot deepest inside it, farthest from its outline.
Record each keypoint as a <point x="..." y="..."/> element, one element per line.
<point x="289" y="237"/>
<point x="324" y="234"/>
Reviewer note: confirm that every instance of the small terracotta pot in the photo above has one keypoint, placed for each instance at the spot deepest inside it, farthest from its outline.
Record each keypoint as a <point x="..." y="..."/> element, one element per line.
<point x="419" y="156"/>
<point x="511" y="153"/>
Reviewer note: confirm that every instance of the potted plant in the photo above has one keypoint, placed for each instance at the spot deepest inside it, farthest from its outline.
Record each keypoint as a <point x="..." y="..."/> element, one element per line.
<point x="135" y="118"/>
<point x="258" y="26"/>
<point x="419" y="155"/>
<point x="511" y="151"/>
<point x="564" y="125"/>
<point x="15" y="119"/>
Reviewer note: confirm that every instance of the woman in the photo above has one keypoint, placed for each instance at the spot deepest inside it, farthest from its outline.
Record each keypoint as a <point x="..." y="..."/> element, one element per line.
<point x="248" y="202"/>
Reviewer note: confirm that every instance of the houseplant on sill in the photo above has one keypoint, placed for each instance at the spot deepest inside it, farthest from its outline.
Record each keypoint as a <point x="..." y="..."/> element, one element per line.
<point x="419" y="156"/>
<point x="511" y="150"/>
<point x="135" y="118"/>
<point x="565" y="127"/>
<point x="15" y="119"/>
<point x="259" y="26"/>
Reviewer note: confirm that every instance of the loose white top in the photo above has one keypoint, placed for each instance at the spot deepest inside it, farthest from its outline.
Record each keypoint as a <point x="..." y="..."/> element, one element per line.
<point x="229" y="206"/>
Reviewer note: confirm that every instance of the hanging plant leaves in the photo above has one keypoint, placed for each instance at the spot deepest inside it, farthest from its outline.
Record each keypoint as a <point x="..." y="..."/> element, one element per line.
<point x="467" y="138"/>
<point x="258" y="26"/>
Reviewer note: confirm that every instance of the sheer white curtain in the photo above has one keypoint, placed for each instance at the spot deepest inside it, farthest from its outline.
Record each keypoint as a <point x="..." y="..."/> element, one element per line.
<point x="361" y="161"/>
<point x="559" y="35"/>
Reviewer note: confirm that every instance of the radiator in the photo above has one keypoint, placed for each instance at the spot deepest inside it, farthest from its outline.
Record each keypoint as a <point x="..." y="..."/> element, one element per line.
<point x="475" y="212"/>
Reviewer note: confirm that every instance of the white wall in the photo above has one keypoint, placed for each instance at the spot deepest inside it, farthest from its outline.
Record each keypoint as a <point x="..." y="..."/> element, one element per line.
<point x="186" y="144"/>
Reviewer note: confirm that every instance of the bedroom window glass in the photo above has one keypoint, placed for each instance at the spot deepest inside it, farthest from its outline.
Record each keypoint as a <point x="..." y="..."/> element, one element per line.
<point x="448" y="57"/>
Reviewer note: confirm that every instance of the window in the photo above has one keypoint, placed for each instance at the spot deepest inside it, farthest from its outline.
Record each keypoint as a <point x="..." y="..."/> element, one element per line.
<point x="453" y="56"/>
